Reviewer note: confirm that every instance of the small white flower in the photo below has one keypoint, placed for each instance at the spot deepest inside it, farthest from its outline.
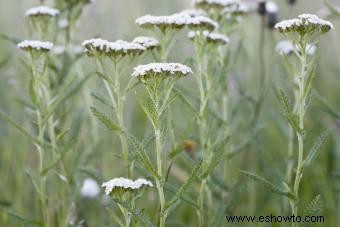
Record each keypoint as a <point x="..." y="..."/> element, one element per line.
<point x="176" y="21"/>
<point x="214" y="3"/>
<point x="271" y="7"/>
<point x="42" y="11"/>
<point x="147" y="42"/>
<point x="124" y="183"/>
<point x="211" y="37"/>
<point x="63" y="23"/>
<point x="193" y="12"/>
<point x="286" y="47"/>
<point x="35" y="45"/>
<point x="305" y="23"/>
<point x="119" y="47"/>
<point x="90" y="188"/>
<point x="202" y="22"/>
<point x="143" y="71"/>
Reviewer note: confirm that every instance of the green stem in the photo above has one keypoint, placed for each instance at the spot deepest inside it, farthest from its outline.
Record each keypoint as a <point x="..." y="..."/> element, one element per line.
<point x="301" y="103"/>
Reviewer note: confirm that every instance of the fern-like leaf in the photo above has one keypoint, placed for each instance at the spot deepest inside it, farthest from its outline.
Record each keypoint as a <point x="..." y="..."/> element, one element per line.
<point x="315" y="151"/>
<point x="110" y="125"/>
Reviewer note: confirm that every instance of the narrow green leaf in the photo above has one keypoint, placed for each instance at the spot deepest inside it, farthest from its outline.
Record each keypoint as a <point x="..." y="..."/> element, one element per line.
<point x="267" y="184"/>
<point x="292" y="119"/>
<point x="106" y="78"/>
<point x="138" y="149"/>
<point x="23" y="219"/>
<point x="92" y="172"/>
<point x="102" y="99"/>
<point x="194" y="174"/>
<point x="314" y="152"/>
<point x="313" y="208"/>
<point x="137" y="213"/>
<point x="219" y="150"/>
<point x="102" y="117"/>
<point x="150" y="110"/>
<point x="18" y="126"/>
<point x="185" y="101"/>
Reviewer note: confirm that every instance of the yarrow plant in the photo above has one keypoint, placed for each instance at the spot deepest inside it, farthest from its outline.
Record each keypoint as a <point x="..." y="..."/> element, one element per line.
<point x="302" y="32"/>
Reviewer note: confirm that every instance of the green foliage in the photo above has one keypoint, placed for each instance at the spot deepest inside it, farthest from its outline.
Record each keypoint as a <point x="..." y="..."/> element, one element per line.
<point x="102" y="117"/>
<point x="313" y="208"/>
<point x="314" y="152"/>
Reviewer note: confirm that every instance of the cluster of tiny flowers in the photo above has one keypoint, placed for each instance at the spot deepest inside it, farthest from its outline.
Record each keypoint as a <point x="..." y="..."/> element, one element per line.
<point x="305" y="23"/>
<point x="42" y="11"/>
<point x="214" y="3"/>
<point x="236" y="9"/>
<point x="119" y="47"/>
<point x="201" y="22"/>
<point x="210" y="37"/>
<point x="177" y="21"/>
<point x="147" y="42"/>
<point x="142" y="71"/>
<point x="124" y="183"/>
<point x="286" y="47"/>
<point x="35" y="45"/>
<point x="194" y="12"/>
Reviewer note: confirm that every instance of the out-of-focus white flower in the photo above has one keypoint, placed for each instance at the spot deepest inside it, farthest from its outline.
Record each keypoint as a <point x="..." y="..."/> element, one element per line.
<point x="35" y="45"/>
<point x="90" y="188"/>
<point x="271" y="7"/>
<point x="194" y="12"/>
<point x="58" y="50"/>
<point x="286" y="47"/>
<point x="214" y="3"/>
<point x="125" y="184"/>
<point x="202" y="23"/>
<point x="63" y="23"/>
<point x="144" y="71"/>
<point x="112" y="49"/>
<point x="42" y="11"/>
<point x="147" y="42"/>
<point x="215" y="38"/>
<point x="236" y="9"/>
<point x="304" y="23"/>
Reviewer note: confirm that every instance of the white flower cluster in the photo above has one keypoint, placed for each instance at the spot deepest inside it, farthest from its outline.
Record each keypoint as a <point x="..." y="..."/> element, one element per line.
<point x="193" y="12"/>
<point x="305" y="23"/>
<point x="161" y="68"/>
<point x="271" y="7"/>
<point x="214" y="3"/>
<point x="103" y="46"/>
<point x="147" y="42"/>
<point x="124" y="183"/>
<point x="286" y="47"/>
<point x="201" y="22"/>
<point x="42" y="11"/>
<point x="90" y="188"/>
<point x="35" y="45"/>
<point x="177" y="21"/>
<point x="210" y="37"/>
<point x="236" y="9"/>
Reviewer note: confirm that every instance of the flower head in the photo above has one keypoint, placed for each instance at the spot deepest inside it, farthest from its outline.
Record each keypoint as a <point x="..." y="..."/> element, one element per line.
<point x="119" y="48"/>
<point x="214" y="3"/>
<point x="286" y="47"/>
<point x="35" y="45"/>
<point x="90" y="188"/>
<point x="202" y="23"/>
<point x="305" y="24"/>
<point x="144" y="72"/>
<point x="42" y="11"/>
<point x="214" y="38"/>
<point x="175" y="21"/>
<point x="236" y="9"/>
<point x="147" y="42"/>
<point x="124" y="184"/>
<point x="193" y="12"/>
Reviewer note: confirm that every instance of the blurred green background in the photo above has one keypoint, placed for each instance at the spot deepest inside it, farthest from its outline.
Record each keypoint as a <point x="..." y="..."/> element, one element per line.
<point x="114" y="19"/>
